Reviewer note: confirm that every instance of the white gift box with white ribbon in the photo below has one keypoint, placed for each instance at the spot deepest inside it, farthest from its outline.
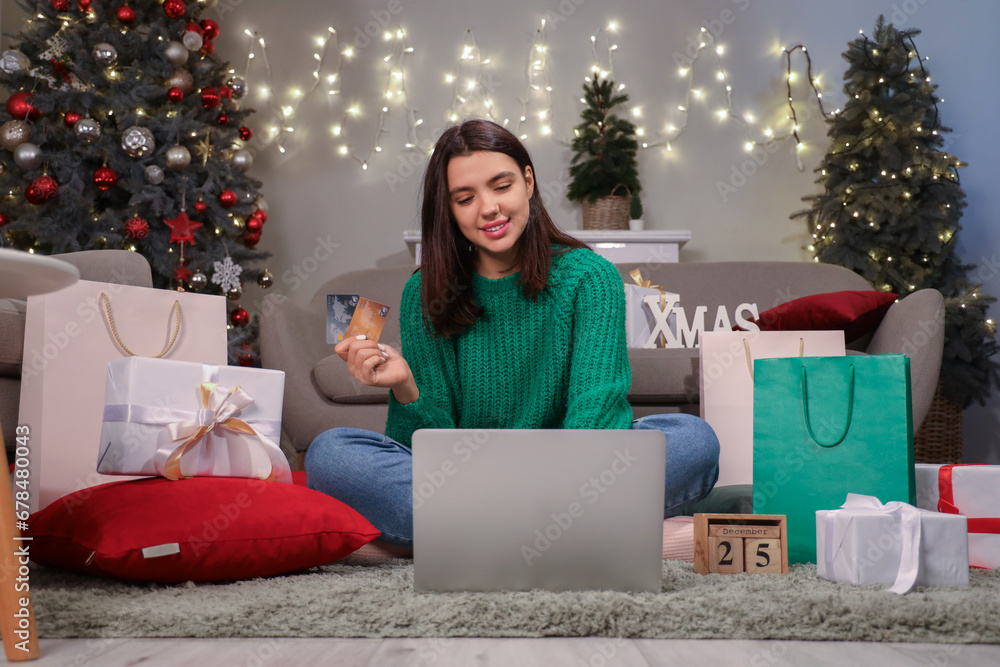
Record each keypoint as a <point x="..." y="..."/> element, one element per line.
<point x="971" y="490"/>
<point x="181" y="419"/>
<point x="866" y="542"/>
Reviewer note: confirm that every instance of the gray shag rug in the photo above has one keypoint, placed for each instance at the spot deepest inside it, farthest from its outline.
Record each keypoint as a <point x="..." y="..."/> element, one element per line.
<point x="357" y="598"/>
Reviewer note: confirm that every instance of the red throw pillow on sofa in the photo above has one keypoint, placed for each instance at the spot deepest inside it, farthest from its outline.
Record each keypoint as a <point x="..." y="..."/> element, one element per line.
<point x="197" y="529"/>
<point x="857" y="312"/>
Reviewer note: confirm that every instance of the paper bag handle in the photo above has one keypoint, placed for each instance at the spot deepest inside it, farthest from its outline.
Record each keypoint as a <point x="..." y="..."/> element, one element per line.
<point x="114" y="329"/>
<point x="850" y="410"/>
<point x="746" y="348"/>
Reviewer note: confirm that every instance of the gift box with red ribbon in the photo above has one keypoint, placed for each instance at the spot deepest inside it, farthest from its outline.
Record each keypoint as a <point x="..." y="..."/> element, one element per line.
<point x="972" y="490"/>
<point x="179" y="419"/>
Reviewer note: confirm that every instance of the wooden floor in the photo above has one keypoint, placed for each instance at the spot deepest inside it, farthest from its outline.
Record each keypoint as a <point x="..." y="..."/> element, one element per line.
<point x="555" y="652"/>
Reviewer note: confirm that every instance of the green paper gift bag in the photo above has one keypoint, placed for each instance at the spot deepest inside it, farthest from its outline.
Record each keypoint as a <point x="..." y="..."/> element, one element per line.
<point x="824" y="427"/>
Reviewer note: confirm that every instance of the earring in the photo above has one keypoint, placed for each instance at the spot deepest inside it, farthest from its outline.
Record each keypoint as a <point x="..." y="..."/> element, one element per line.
<point x="472" y="248"/>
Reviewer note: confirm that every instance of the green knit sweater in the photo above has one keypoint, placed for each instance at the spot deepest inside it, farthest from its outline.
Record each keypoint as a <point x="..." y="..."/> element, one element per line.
<point x="556" y="362"/>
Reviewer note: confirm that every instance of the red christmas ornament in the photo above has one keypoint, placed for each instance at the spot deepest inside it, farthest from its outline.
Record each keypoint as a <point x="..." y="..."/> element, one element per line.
<point x="136" y="228"/>
<point x="60" y="5"/>
<point x="105" y="178"/>
<point x="254" y="225"/>
<point x="251" y="238"/>
<point x="227" y="198"/>
<point x="41" y="189"/>
<point x="182" y="273"/>
<point x="174" y="8"/>
<point x="84" y="5"/>
<point x="223" y="119"/>
<point x="19" y="106"/>
<point x="210" y="27"/>
<point x="239" y="316"/>
<point x="71" y="117"/>
<point x="246" y="134"/>
<point x="226" y="91"/>
<point x="245" y="358"/>
<point x="175" y="95"/>
<point x="210" y="97"/>
<point x="182" y="228"/>
<point x="208" y="47"/>
<point x="200" y="206"/>
<point x="125" y="15"/>
<point x="194" y="27"/>
<point x="3" y="219"/>
<point x="260" y="213"/>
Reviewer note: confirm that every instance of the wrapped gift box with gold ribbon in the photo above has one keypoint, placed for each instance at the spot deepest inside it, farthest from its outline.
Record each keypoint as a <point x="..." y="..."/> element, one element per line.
<point x="181" y="419"/>
<point x="641" y="323"/>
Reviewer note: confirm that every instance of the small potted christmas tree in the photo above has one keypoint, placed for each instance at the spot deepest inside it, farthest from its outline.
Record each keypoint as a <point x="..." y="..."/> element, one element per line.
<point x="604" y="172"/>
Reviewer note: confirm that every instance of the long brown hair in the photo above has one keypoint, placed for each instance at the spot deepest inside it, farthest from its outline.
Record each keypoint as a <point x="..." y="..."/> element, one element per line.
<point x="448" y="261"/>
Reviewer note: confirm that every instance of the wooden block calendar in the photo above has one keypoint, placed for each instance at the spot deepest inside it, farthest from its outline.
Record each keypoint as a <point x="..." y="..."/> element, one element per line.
<point x="738" y="543"/>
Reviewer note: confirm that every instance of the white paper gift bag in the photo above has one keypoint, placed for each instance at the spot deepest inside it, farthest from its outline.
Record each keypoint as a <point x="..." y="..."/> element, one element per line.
<point x="973" y="491"/>
<point x="866" y="542"/>
<point x="726" y="369"/>
<point x="68" y="342"/>
<point x="181" y="419"/>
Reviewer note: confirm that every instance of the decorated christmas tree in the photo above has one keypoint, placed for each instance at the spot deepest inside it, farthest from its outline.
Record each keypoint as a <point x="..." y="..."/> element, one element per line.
<point x="124" y="130"/>
<point x="892" y="200"/>
<point x="604" y="148"/>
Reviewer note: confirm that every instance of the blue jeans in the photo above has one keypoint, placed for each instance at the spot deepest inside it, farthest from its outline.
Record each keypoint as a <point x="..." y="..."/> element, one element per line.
<point x="373" y="474"/>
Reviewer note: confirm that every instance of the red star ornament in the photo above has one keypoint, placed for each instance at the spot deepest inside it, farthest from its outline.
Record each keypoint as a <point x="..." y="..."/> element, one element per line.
<point x="182" y="273"/>
<point x="182" y="228"/>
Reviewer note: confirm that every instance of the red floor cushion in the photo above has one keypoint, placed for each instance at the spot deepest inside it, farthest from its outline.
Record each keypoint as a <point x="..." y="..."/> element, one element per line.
<point x="197" y="529"/>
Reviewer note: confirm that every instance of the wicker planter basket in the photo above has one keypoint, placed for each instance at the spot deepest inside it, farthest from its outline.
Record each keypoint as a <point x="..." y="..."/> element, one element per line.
<point x="940" y="437"/>
<point x="611" y="212"/>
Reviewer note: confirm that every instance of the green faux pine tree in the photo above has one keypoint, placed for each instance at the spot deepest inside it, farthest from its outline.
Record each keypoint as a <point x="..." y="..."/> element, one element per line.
<point x="892" y="200"/>
<point x="604" y="148"/>
<point x="123" y="130"/>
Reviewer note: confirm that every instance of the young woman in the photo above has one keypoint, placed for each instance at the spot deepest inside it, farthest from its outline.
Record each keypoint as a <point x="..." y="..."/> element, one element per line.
<point x="508" y="323"/>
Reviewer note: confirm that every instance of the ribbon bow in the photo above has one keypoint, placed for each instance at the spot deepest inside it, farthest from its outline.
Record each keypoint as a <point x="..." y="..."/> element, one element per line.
<point x="637" y="277"/>
<point x="219" y="407"/>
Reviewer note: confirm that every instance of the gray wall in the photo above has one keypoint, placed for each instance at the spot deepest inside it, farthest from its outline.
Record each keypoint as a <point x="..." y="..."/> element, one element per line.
<point x="318" y="197"/>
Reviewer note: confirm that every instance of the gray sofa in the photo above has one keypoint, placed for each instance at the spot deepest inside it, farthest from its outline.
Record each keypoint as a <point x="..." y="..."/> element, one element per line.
<point x="110" y="266"/>
<point x="320" y="393"/>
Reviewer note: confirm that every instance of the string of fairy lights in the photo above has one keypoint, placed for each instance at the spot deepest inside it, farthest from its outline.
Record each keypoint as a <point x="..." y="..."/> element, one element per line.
<point x="473" y="87"/>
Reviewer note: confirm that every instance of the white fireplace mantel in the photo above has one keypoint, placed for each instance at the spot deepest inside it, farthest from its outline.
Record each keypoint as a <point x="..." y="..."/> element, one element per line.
<point x="618" y="246"/>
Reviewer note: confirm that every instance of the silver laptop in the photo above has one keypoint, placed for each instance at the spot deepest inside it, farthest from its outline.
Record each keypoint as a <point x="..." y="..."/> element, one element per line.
<point x="551" y="509"/>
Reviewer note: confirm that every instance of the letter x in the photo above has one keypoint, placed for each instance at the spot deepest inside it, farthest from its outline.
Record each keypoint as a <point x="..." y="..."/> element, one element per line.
<point x="661" y="315"/>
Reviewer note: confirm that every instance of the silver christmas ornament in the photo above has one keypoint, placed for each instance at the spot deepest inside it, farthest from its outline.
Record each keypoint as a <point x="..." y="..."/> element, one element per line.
<point x="234" y="294"/>
<point x="176" y="53"/>
<point x="13" y="133"/>
<point x="13" y="61"/>
<point x="178" y="157"/>
<point x="87" y="128"/>
<point x="105" y="54"/>
<point x="198" y="281"/>
<point x="154" y="174"/>
<point x="138" y="141"/>
<point x="28" y="155"/>
<point x="180" y="79"/>
<point x="242" y="160"/>
<point x="207" y="4"/>
<point x="192" y="40"/>
<point x="262" y="203"/>
<point x="265" y="280"/>
<point x="238" y="85"/>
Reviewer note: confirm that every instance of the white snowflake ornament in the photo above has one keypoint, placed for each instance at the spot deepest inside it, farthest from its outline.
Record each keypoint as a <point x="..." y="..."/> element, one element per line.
<point x="227" y="274"/>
